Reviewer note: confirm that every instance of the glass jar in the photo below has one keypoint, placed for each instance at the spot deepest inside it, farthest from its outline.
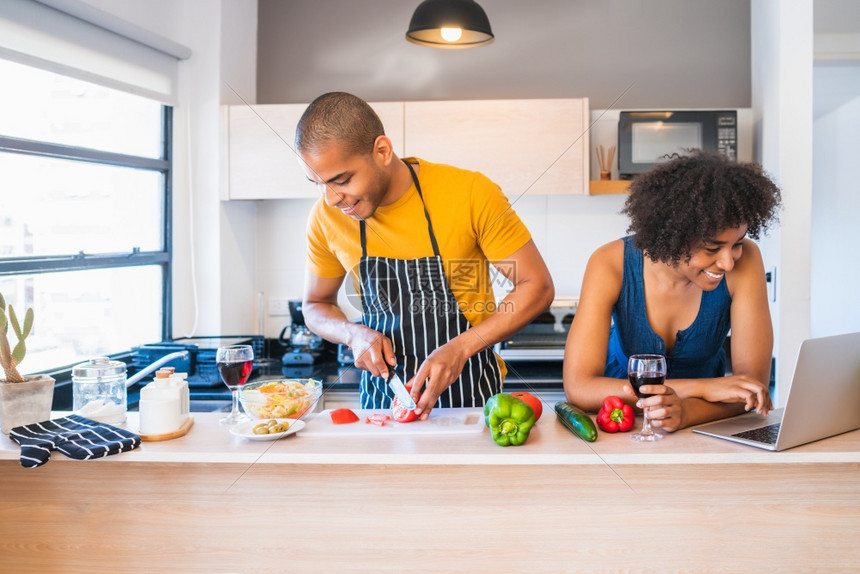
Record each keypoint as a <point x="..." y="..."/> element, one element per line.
<point x="99" y="390"/>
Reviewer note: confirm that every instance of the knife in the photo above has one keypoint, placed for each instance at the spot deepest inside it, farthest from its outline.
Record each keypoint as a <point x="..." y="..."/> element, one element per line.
<point x="397" y="386"/>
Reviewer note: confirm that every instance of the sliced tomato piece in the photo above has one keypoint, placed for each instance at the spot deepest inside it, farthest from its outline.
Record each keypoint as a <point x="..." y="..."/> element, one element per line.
<point x="400" y="413"/>
<point x="377" y="419"/>
<point x="343" y="416"/>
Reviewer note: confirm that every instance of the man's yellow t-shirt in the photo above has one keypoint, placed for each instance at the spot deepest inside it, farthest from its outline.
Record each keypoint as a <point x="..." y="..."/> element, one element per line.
<point x="472" y="219"/>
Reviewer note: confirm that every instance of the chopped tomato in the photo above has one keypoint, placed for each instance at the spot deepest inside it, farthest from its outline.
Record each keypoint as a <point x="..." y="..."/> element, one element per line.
<point x="400" y="413"/>
<point x="377" y="419"/>
<point x="343" y="416"/>
<point x="531" y="401"/>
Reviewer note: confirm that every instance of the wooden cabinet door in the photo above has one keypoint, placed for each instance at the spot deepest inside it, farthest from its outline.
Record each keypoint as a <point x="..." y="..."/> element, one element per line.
<point x="260" y="150"/>
<point x="525" y="146"/>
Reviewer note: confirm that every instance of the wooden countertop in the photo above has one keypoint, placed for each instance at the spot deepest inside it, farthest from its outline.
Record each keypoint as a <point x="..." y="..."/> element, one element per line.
<point x="211" y="502"/>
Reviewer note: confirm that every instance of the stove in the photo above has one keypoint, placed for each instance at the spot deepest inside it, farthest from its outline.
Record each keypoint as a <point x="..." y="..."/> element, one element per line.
<point x="544" y="338"/>
<point x="200" y="362"/>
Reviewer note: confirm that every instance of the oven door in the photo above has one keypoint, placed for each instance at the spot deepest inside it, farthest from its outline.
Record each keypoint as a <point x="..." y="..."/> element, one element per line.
<point x="544" y="338"/>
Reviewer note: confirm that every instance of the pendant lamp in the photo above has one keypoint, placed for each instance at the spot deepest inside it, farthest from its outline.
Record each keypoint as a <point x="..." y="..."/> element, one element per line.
<point x="453" y="24"/>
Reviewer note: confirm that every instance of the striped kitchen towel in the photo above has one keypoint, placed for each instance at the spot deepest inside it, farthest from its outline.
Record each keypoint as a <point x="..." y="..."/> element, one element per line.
<point x="75" y="436"/>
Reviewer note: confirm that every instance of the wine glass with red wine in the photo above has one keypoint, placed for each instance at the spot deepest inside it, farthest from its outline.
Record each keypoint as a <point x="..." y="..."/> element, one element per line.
<point x="646" y="370"/>
<point x="234" y="365"/>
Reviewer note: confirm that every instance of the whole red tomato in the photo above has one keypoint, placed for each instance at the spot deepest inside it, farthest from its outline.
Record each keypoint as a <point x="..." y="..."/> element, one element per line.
<point x="531" y="401"/>
<point x="400" y="413"/>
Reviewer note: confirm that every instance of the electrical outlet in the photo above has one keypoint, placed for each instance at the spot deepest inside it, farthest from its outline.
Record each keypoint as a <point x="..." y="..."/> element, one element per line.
<point x="279" y="306"/>
<point x="770" y="279"/>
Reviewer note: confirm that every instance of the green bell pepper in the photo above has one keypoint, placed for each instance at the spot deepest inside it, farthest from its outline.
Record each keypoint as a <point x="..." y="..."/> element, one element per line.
<point x="510" y="420"/>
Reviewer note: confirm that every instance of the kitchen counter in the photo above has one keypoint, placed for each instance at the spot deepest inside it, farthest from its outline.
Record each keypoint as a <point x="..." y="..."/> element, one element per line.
<point x="212" y="502"/>
<point x="549" y="443"/>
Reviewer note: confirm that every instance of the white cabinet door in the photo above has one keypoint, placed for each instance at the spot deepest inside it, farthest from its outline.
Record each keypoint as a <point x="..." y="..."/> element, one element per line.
<point x="261" y="157"/>
<point x="525" y="146"/>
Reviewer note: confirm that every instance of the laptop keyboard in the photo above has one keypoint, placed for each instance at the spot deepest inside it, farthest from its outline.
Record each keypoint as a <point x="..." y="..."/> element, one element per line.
<point x="766" y="435"/>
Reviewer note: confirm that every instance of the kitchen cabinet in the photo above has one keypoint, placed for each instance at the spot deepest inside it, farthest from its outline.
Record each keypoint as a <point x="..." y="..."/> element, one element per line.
<point x="260" y="153"/>
<point x="525" y="146"/>
<point x="603" y="187"/>
<point x="536" y="146"/>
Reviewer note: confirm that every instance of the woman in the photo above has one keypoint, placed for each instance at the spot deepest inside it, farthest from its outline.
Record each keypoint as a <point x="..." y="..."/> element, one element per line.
<point x="675" y="287"/>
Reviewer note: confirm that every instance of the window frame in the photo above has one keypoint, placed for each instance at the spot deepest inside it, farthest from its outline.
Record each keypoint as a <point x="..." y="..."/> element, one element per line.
<point x="10" y="266"/>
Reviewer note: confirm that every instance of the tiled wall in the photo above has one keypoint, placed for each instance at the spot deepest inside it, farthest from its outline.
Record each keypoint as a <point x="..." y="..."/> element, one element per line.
<point x="566" y="229"/>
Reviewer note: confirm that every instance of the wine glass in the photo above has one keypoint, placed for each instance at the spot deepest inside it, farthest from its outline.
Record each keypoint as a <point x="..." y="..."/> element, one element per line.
<point x="646" y="370"/>
<point x="234" y="365"/>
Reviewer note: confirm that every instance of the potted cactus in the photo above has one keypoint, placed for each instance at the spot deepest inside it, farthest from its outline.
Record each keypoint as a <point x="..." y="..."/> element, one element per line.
<point x="23" y="400"/>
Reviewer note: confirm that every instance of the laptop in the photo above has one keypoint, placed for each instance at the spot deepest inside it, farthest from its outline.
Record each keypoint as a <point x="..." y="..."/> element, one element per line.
<point x="823" y="401"/>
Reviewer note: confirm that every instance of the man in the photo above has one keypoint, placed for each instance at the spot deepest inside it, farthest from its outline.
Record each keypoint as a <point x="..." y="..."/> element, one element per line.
<point x="417" y="239"/>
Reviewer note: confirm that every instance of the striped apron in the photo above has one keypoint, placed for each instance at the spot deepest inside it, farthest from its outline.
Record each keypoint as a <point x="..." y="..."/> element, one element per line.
<point x="409" y="301"/>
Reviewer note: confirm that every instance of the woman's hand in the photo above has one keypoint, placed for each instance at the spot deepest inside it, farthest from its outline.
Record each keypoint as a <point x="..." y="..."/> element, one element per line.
<point x="739" y="389"/>
<point x="663" y="406"/>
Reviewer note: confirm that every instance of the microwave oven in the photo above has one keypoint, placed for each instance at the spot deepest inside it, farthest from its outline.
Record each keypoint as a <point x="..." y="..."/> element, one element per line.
<point x="646" y="138"/>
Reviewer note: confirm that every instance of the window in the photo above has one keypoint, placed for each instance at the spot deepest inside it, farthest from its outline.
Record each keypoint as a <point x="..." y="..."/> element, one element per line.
<point x="84" y="215"/>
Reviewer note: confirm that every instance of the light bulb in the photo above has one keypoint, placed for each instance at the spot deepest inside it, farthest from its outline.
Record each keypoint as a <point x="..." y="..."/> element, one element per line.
<point x="451" y="34"/>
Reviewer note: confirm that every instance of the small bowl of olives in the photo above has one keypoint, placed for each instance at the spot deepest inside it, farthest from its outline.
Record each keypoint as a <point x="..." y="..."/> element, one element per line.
<point x="266" y="429"/>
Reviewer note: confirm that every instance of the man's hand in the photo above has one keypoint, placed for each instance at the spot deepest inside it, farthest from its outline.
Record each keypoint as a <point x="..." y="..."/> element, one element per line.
<point x="372" y="350"/>
<point x="441" y="368"/>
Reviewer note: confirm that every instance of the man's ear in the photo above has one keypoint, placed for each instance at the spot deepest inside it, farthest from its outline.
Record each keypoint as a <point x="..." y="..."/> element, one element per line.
<point x="383" y="152"/>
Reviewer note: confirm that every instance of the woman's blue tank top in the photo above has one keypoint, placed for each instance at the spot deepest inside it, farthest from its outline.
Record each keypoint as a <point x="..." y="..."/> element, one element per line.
<point x="698" y="350"/>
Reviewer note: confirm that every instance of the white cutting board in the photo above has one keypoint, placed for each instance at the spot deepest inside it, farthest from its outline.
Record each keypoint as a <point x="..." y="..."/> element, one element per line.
<point x="440" y="421"/>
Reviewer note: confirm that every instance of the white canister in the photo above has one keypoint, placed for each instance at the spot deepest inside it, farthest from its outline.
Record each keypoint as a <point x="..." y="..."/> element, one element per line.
<point x="98" y="390"/>
<point x="164" y="404"/>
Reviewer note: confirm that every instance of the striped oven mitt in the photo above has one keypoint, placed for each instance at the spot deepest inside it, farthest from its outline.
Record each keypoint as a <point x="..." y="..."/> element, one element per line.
<point x="75" y="436"/>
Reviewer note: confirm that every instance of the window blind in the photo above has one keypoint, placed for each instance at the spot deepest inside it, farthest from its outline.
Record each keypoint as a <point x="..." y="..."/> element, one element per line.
<point x="72" y="38"/>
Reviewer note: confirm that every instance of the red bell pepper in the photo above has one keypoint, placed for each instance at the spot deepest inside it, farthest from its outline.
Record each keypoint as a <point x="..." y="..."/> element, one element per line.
<point x="615" y="415"/>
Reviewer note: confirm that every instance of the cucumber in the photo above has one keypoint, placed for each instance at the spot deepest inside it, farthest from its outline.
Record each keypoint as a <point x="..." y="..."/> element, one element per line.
<point x="576" y="421"/>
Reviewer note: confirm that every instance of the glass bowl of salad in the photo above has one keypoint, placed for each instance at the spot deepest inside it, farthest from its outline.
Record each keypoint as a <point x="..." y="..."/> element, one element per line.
<point x="280" y="398"/>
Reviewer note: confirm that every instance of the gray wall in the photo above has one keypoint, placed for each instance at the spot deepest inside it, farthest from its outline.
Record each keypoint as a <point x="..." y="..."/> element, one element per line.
<point x="619" y="53"/>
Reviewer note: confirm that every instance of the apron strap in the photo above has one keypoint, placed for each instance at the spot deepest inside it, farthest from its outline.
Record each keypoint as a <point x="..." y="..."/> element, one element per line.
<point x="424" y="205"/>
<point x="363" y="230"/>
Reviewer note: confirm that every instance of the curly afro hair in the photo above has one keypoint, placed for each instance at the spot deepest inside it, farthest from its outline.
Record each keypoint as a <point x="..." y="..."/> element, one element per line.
<point x="678" y="205"/>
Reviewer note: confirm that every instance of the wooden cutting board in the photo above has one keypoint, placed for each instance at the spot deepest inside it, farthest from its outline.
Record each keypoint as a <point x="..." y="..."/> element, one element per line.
<point x="181" y="431"/>
<point x="440" y="421"/>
